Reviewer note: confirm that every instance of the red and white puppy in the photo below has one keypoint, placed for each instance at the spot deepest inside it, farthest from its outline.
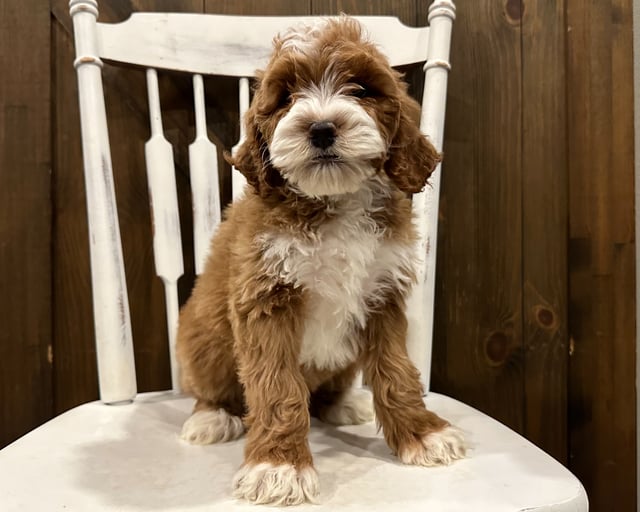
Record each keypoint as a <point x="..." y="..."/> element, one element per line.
<point x="308" y="274"/>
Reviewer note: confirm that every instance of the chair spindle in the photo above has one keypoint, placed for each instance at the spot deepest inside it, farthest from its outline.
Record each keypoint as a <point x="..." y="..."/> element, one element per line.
<point x="205" y="192"/>
<point x="167" y="244"/>
<point x="114" y="345"/>
<point x="420" y="308"/>
<point x="238" y="181"/>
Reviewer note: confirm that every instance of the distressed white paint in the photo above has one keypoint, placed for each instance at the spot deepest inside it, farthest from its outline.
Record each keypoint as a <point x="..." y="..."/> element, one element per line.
<point x="420" y="307"/>
<point x="238" y="181"/>
<point x="98" y="459"/>
<point x="167" y="242"/>
<point x="233" y="45"/>
<point x="205" y="193"/>
<point x="116" y="370"/>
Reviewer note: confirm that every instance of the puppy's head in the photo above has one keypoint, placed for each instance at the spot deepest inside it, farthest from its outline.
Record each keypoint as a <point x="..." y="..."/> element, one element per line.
<point x="328" y="114"/>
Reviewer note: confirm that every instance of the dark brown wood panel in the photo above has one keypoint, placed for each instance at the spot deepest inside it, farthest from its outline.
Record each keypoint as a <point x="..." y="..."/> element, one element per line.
<point x="601" y="251"/>
<point x="25" y="218"/>
<point x="258" y="7"/>
<point x="544" y="231"/>
<point x="478" y="347"/>
<point x="403" y="9"/>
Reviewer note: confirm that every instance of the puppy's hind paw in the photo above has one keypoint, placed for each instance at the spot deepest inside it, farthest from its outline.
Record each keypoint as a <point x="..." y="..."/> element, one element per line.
<point x="211" y="426"/>
<point x="354" y="408"/>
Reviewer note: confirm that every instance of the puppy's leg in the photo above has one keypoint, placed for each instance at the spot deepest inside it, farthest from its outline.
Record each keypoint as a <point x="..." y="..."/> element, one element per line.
<point x="337" y="402"/>
<point x="208" y="371"/>
<point x="278" y="467"/>
<point x="416" y="435"/>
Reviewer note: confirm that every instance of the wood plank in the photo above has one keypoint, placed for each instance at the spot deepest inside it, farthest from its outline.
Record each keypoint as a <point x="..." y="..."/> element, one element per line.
<point x="602" y="251"/>
<point x="25" y="219"/>
<point x="259" y="7"/>
<point x="125" y="93"/>
<point x="478" y="350"/>
<point x="405" y="10"/>
<point x="544" y="235"/>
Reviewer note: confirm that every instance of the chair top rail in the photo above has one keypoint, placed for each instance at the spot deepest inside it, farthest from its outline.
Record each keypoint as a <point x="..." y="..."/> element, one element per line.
<point x="214" y="44"/>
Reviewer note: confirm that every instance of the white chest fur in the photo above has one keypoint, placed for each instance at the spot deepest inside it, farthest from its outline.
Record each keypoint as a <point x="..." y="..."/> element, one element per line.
<point x="344" y="267"/>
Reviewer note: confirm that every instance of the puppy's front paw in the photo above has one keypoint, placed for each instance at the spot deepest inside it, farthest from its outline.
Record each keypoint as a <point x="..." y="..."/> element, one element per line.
<point x="267" y="484"/>
<point x="435" y="449"/>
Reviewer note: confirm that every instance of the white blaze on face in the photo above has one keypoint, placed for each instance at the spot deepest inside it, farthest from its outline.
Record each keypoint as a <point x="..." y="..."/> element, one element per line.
<point x="340" y="168"/>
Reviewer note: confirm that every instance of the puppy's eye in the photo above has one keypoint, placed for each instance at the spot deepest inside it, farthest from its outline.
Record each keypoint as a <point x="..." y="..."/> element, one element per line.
<point x="358" y="91"/>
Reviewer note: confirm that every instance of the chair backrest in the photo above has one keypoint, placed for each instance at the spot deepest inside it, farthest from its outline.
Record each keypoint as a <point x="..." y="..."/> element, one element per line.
<point x="235" y="46"/>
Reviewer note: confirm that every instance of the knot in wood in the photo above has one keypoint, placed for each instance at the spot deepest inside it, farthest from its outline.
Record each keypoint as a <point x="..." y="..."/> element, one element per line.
<point x="545" y="316"/>
<point x="497" y="348"/>
<point x="514" y="10"/>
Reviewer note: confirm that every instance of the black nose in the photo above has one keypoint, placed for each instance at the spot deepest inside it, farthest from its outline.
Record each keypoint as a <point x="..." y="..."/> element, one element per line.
<point x="322" y="134"/>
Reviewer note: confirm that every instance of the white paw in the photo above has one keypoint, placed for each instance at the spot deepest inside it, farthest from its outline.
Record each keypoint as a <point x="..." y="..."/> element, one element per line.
<point x="354" y="408"/>
<point x="206" y="427"/>
<point x="437" y="448"/>
<point x="275" y="485"/>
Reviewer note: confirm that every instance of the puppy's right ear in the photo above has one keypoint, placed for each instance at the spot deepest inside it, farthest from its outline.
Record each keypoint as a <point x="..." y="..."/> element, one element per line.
<point x="252" y="157"/>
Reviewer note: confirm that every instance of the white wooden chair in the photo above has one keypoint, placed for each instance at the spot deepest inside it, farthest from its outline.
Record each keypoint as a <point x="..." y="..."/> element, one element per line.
<point x="128" y="457"/>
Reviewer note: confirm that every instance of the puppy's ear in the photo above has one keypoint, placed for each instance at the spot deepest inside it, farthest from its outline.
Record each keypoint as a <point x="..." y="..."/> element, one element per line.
<point x="412" y="158"/>
<point x="252" y="157"/>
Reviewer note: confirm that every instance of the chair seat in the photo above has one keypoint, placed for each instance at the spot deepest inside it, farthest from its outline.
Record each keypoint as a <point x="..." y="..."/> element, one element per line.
<point x="129" y="458"/>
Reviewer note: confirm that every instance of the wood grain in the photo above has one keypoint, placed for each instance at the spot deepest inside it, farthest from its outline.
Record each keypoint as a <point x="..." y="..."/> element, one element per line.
<point x="25" y="218"/>
<point x="544" y="225"/>
<point x="478" y="346"/>
<point x="601" y="251"/>
<point x="405" y="10"/>
<point x="259" y="7"/>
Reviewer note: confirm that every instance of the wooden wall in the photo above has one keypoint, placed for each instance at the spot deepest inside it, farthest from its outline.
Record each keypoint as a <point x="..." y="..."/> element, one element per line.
<point x="535" y="313"/>
<point x="601" y="252"/>
<point x="25" y="218"/>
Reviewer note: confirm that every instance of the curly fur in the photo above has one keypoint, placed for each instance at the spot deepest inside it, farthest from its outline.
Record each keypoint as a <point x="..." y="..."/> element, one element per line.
<point x="308" y="274"/>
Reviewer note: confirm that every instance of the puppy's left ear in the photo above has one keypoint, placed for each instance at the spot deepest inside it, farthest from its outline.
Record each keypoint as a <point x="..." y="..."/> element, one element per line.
<point x="412" y="158"/>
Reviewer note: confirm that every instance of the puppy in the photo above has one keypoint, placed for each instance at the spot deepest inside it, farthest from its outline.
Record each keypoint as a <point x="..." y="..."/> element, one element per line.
<point x="308" y="274"/>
